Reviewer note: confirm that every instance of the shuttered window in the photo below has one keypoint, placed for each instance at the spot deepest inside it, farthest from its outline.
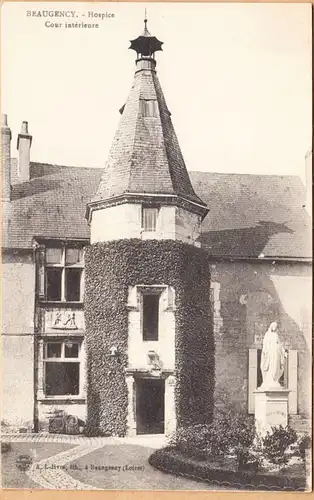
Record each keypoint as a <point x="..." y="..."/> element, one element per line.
<point x="149" y="218"/>
<point x="289" y="379"/>
<point x="293" y="381"/>
<point x="252" y="382"/>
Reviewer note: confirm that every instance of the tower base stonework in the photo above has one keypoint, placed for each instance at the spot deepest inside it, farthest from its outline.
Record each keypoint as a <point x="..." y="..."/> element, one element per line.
<point x="271" y="409"/>
<point x="111" y="269"/>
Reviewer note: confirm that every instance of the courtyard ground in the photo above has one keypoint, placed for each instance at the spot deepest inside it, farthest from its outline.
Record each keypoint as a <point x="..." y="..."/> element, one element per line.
<point x="64" y="462"/>
<point x="132" y="471"/>
<point x="12" y="476"/>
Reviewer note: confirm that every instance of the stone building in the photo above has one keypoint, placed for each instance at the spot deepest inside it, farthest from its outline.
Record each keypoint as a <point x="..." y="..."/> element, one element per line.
<point x="136" y="298"/>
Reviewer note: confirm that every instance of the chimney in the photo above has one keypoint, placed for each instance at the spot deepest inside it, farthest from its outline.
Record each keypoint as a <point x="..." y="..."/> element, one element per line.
<point x="6" y="179"/>
<point x="24" y="142"/>
<point x="6" y="158"/>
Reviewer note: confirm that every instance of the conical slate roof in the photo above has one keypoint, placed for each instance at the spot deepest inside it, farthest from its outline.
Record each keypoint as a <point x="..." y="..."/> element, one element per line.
<point x="145" y="156"/>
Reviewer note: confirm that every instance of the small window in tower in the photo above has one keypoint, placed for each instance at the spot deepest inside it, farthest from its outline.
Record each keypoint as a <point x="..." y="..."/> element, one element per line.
<point x="149" y="218"/>
<point x="150" y="316"/>
<point x="148" y="107"/>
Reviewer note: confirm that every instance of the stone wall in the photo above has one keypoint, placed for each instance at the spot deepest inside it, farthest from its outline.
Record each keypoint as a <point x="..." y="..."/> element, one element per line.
<point x="173" y="223"/>
<point x="18" y="295"/>
<point x="246" y="297"/>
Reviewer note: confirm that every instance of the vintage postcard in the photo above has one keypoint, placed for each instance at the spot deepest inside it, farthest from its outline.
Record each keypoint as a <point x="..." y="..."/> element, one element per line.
<point x="156" y="246"/>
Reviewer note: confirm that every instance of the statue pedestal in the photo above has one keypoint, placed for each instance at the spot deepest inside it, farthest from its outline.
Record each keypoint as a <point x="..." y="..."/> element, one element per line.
<point x="271" y="409"/>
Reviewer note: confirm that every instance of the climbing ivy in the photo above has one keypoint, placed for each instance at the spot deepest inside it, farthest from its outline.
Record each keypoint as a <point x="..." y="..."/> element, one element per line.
<point x="111" y="268"/>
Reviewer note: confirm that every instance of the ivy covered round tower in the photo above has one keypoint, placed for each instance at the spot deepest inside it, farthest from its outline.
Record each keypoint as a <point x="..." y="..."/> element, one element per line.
<point x="149" y="339"/>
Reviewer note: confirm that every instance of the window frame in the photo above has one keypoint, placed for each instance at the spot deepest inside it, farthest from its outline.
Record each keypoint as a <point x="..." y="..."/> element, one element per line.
<point x="156" y="211"/>
<point x="63" y="359"/>
<point x="149" y="108"/>
<point x="64" y="267"/>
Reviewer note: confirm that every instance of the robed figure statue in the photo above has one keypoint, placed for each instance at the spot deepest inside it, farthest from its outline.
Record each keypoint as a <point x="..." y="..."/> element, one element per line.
<point x="272" y="359"/>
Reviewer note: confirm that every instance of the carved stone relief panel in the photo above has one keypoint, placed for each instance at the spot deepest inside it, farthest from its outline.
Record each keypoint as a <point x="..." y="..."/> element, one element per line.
<point x="63" y="320"/>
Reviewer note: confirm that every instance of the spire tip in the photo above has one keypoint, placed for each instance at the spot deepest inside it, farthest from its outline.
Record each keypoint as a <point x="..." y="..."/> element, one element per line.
<point x="145" y="20"/>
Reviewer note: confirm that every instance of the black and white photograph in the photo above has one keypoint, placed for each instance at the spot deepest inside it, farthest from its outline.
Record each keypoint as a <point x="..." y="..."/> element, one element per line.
<point x="156" y="246"/>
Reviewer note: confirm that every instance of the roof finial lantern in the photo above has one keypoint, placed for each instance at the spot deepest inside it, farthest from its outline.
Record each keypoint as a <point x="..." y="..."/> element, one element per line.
<point x="146" y="44"/>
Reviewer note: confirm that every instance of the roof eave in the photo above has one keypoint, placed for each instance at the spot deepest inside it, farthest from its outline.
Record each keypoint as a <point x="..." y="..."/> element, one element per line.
<point x="170" y="199"/>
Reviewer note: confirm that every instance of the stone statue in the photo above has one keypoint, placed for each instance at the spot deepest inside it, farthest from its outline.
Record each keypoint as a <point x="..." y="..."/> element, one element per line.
<point x="273" y="358"/>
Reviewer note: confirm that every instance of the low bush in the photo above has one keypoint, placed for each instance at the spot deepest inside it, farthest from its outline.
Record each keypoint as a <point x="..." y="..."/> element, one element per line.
<point x="277" y="445"/>
<point x="230" y="434"/>
<point x="202" y="441"/>
<point x="239" y="432"/>
<point x="169" y="460"/>
<point x="191" y="441"/>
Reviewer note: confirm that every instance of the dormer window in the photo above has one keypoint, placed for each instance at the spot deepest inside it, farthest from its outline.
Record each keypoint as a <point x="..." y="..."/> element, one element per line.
<point x="148" y="107"/>
<point x="149" y="218"/>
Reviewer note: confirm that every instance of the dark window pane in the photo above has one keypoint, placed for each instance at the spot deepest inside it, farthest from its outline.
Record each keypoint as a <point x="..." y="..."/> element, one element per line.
<point x="53" y="283"/>
<point x="150" y="316"/>
<point x="53" y="350"/>
<point x="71" y="350"/>
<point x="53" y="255"/>
<point x="73" y="284"/>
<point x="62" y="379"/>
<point x="73" y="256"/>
